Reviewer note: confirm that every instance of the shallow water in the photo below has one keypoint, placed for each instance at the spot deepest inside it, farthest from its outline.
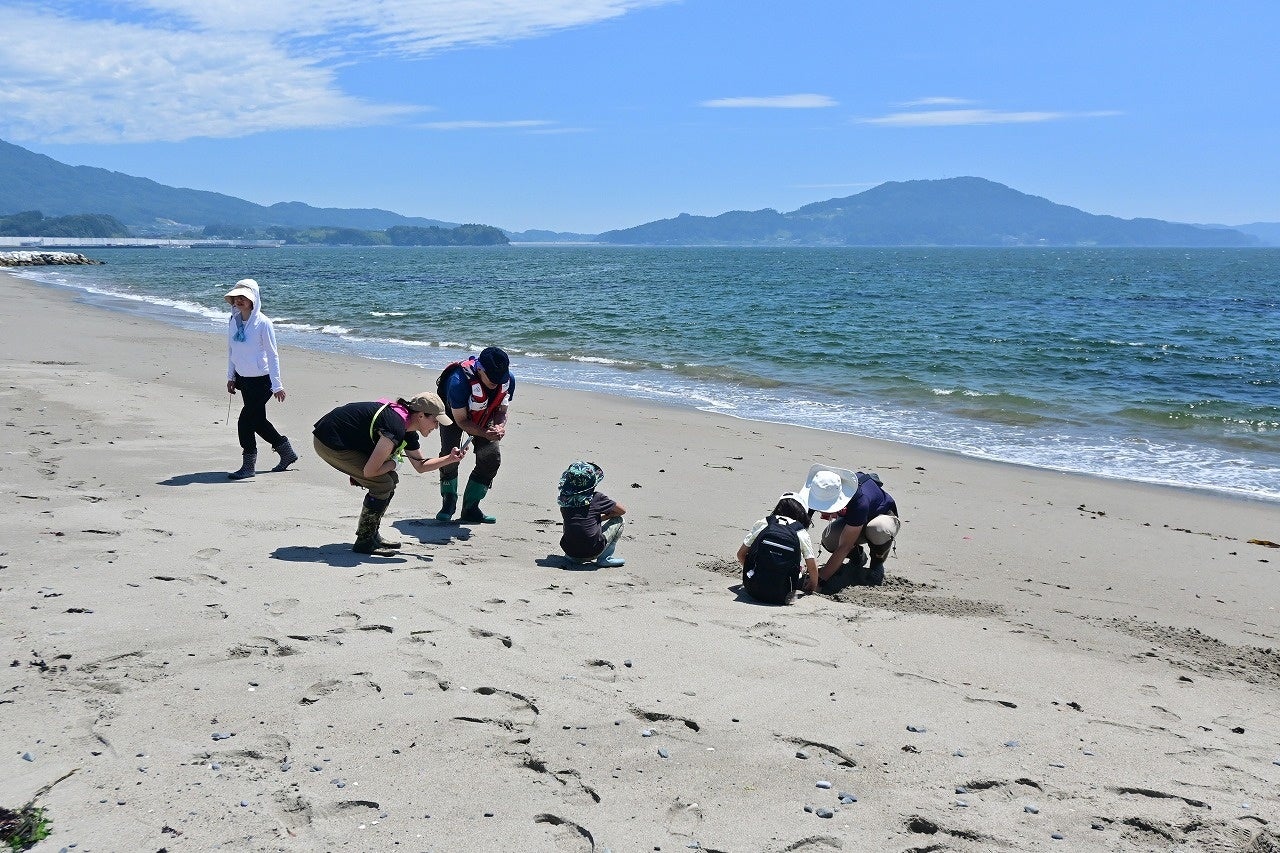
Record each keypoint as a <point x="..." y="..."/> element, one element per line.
<point x="1158" y="365"/>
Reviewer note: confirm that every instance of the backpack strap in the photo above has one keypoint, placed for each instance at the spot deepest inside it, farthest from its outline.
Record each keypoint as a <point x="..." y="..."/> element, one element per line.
<point x="396" y="454"/>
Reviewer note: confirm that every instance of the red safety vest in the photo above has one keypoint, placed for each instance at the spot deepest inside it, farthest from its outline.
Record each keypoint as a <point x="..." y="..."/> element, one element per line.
<point x="480" y="406"/>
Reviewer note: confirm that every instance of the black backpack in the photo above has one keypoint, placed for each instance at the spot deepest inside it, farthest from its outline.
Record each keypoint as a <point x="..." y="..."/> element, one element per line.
<point x="771" y="571"/>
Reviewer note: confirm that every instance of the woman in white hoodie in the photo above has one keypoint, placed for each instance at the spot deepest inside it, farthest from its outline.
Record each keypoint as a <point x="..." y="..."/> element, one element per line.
<point x="253" y="367"/>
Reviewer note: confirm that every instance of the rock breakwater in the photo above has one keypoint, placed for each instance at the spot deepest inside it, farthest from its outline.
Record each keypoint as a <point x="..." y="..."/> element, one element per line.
<point x="42" y="259"/>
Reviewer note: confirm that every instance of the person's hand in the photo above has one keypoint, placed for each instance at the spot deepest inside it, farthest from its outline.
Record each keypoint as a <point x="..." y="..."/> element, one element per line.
<point x="231" y="386"/>
<point x="496" y="432"/>
<point x="279" y="395"/>
<point x="457" y="454"/>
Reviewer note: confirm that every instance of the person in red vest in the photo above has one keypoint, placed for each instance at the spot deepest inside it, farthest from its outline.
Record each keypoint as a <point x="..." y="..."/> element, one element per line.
<point x="477" y="392"/>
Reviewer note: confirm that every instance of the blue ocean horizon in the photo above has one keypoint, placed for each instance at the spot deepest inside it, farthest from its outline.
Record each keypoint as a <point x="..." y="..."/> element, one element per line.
<point x="1152" y="365"/>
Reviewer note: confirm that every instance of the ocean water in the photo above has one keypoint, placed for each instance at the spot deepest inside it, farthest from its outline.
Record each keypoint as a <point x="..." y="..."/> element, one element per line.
<point x="1155" y="365"/>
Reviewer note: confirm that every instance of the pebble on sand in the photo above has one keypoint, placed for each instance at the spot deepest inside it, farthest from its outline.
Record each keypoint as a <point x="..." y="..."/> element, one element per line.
<point x="824" y="784"/>
<point x="917" y="729"/>
<point x="1031" y="809"/>
<point x="26" y="756"/>
<point x="801" y="754"/>
<point x="827" y="813"/>
<point x="1057" y="836"/>
<point x="662" y="753"/>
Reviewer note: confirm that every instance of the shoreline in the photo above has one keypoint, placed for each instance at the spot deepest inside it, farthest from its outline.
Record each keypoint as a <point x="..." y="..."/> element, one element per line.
<point x="323" y="342"/>
<point x="1081" y="657"/>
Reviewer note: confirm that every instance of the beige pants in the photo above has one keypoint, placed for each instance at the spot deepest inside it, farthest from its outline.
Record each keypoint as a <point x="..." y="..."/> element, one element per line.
<point x="880" y="530"/>
<point x="351" y="463"/>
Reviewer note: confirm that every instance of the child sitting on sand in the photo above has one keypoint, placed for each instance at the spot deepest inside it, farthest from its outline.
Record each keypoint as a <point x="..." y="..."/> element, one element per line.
<point x="592" y="521"/>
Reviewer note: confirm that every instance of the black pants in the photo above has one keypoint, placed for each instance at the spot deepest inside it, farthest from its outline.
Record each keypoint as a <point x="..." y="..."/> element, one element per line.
<point x="488" y="456"/>
<point x="255" y="391"/>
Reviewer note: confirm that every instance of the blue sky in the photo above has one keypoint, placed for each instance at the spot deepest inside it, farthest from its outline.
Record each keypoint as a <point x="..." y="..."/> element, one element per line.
<point x="587" y="115"/>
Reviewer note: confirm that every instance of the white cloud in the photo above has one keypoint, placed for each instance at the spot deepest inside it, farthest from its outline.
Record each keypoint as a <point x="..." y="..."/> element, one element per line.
<point x="955" y="118"/>
<point x="937" y="102"/>
<point x="414" y="27"/>
<point x="485" y="125"/>
<point x="792" y="102"/>
<point x="168" y="70"/>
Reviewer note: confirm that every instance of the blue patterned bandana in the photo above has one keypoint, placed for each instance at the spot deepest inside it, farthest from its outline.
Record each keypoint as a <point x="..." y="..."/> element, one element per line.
<point x="578" y="483"/>
<point x="239" y="335"/>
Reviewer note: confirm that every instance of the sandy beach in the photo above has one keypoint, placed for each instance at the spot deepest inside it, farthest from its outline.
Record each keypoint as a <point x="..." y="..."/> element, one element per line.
<point x="1055" y="662"/>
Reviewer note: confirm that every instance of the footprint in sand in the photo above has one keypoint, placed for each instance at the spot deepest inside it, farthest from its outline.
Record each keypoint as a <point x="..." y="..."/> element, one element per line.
<point x="569" y="836"/>
<point x="357" y="684"/>
<point x="482" y="634"/>
<point x="683" y="818"/>
<point x="282" y="606"/>
<point x="213" y="611"/>
<point x="603" y="670"/>
<point x="207" y="553"/>
<point x="265" y="646"/>
<point x="774" y="635"/>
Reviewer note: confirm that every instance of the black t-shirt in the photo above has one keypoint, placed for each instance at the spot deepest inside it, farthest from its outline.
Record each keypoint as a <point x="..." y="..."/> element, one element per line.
<point x="582" y="538"/>
<point x="347" y="428"/>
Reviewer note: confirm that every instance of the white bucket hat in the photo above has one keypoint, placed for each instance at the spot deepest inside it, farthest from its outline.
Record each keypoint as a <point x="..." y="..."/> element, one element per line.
<point x="828" y="489"/>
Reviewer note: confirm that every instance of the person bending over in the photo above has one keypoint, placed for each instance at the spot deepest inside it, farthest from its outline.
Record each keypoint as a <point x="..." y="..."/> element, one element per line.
<point x="477" y="391"/>
<point x="861" y="512"/>
<point x="365" y="440"/>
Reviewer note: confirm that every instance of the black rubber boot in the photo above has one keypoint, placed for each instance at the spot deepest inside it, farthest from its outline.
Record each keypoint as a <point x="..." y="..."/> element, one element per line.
<point x="367" y="540"/>
<point x="247" y="466"/>
<point x="287" y="454"/>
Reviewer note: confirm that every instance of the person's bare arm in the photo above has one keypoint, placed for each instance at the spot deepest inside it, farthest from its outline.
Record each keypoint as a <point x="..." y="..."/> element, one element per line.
<point x="422" y="465"/>
<point x="848" y="539"/>
<point x="380" y="461"/>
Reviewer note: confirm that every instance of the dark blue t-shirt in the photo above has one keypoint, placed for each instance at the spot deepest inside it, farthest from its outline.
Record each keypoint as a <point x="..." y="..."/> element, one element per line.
<point x="457" y="391"/>
<point x="868" y="502"/>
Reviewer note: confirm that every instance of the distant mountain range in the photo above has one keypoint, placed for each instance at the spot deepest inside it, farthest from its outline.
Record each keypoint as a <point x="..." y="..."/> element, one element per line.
<point x="949" y="212"/>
<point x="35" y="182"/>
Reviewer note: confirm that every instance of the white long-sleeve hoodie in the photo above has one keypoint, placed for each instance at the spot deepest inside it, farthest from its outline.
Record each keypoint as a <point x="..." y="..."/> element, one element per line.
<point x="256" y="355"/>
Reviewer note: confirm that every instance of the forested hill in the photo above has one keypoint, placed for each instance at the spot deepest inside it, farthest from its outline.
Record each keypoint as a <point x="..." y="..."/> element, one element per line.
<point x="35" y="182"/>
<point x="949" y="212"/>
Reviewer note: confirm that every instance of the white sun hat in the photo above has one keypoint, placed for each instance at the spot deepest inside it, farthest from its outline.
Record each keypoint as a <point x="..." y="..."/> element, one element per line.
<point x="828" y="489"/>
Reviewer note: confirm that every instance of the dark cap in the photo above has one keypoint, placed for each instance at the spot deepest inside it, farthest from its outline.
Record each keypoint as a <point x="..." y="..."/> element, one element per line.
<point x="495" y="363"/>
